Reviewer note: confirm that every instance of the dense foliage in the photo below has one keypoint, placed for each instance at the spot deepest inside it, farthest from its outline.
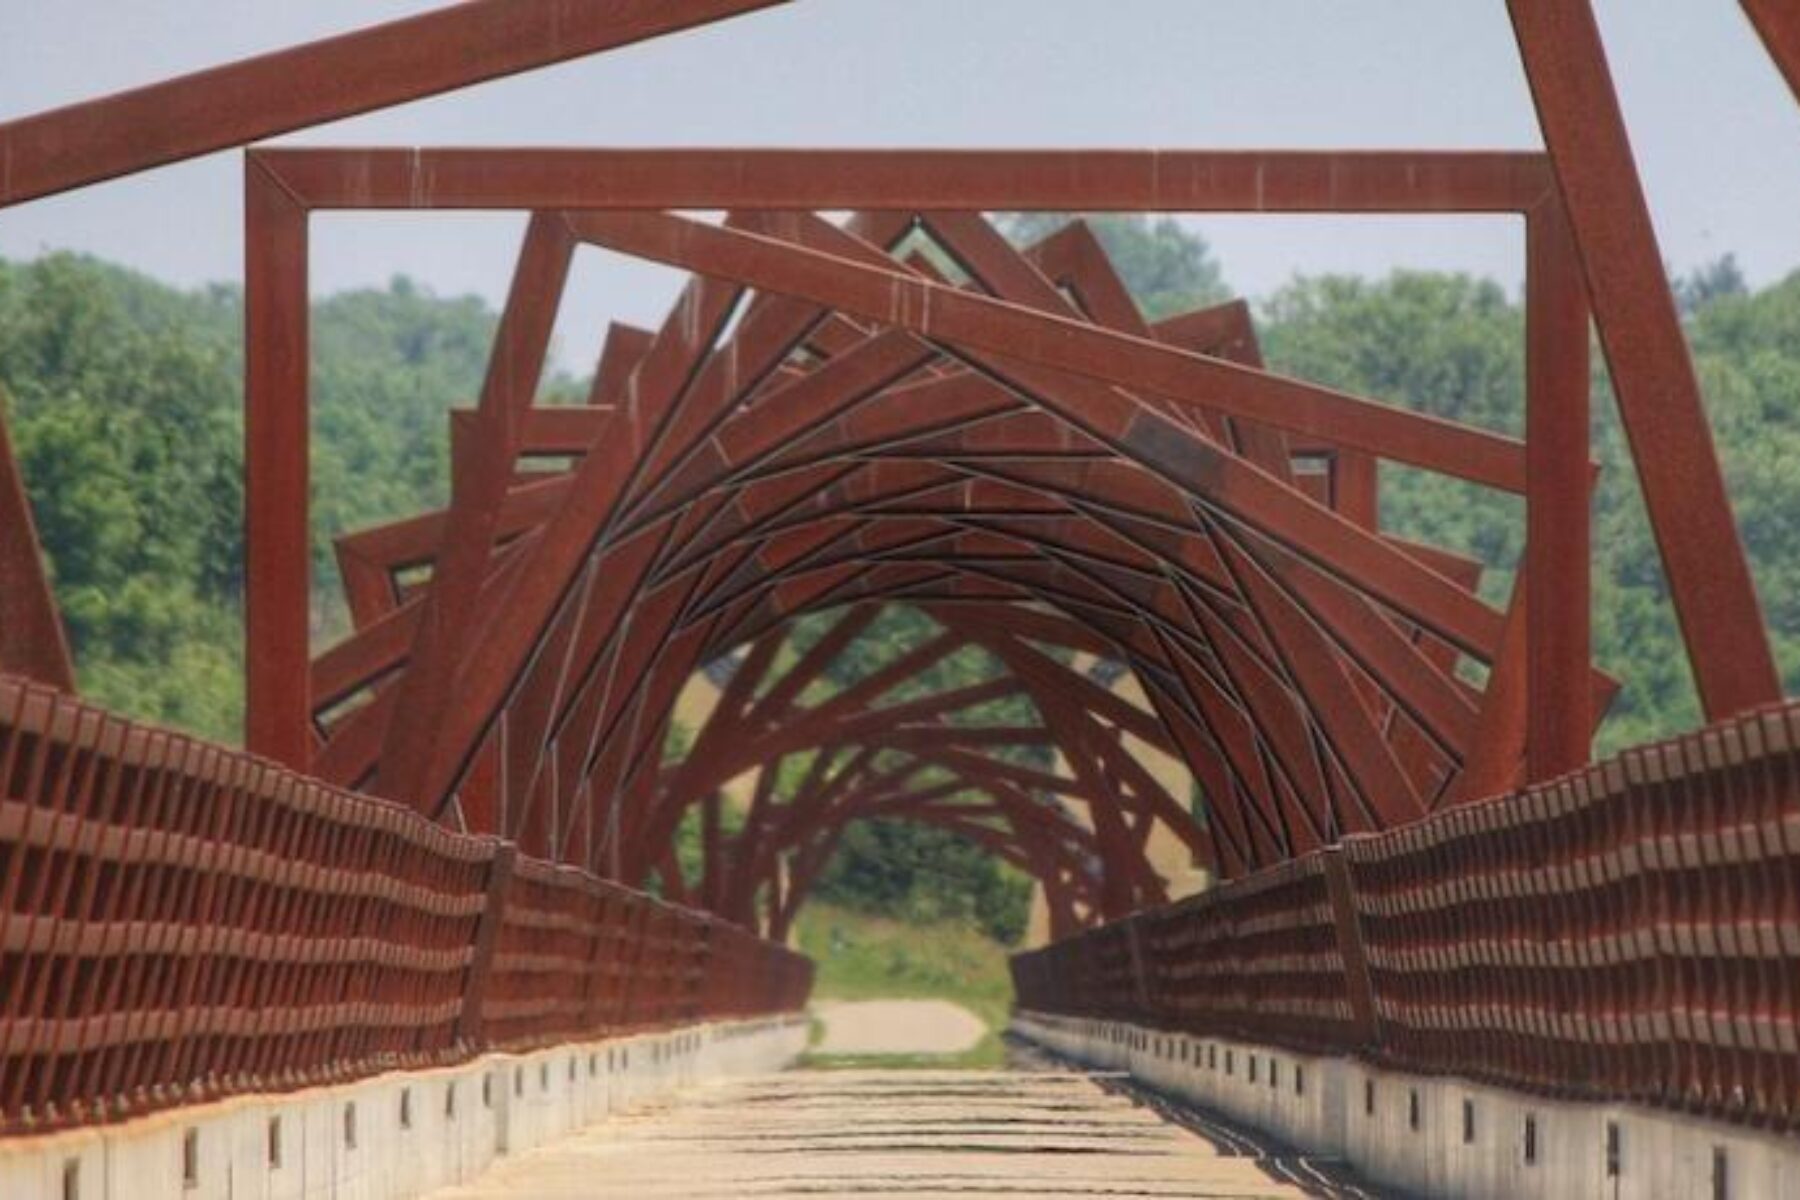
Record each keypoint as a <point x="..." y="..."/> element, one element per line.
<point x="1454" y="346"/>
<point x="920" y="873"/>
<point x="123" y="400"/>
<point x="124" y="405"/>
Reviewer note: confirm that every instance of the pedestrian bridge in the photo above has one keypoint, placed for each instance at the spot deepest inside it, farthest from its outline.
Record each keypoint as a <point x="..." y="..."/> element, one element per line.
<point x="908" y="1132"/>
<point x="1322" y="847"/>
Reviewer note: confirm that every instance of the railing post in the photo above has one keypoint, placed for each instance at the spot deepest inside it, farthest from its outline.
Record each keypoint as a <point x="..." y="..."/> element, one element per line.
<point x="1140" y="984"/>
<point x="469" y="1026"/>
<point x="599" y="969"/>
<point x="1361" y="989"/>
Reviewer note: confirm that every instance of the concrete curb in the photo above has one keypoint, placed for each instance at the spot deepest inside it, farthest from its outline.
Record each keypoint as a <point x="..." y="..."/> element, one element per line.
<point x="388" y="1137"/>
<point x="1436" y="1135"/>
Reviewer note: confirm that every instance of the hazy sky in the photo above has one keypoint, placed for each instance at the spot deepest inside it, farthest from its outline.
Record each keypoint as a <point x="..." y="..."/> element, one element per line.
<point x="1716" y="132"/>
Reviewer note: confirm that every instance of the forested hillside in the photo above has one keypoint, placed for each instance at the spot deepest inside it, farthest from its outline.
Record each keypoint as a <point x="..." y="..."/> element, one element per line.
<point x="123" y="397"/>
<point x="1453" y="346"/>
<point x="124" y="402"/>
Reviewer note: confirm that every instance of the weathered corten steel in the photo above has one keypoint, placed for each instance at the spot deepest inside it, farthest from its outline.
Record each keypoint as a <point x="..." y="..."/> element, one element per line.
<point x="1652" y="371"/>
<point x="933" y="771"/>
<point x="1241" y="181"/>
<point x="903" y="408"/>
<point x="1322" y="694"/>
<point x="1625" y="932"/>
<point x="32" y="642"/>
<point x="301" y="86"/>
<point x="1778" y="22"/>
<point x="181" y="921"/>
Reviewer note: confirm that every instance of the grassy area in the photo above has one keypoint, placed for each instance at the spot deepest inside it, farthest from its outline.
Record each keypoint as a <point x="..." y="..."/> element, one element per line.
<point x="863" y="957"/>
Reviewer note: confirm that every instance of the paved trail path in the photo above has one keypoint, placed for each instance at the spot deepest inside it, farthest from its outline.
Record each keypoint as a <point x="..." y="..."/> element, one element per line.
<point x="917" y="1134"/>
<point x="897" y="1027"/>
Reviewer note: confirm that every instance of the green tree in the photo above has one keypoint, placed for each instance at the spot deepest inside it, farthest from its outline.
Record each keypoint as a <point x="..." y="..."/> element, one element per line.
<point x="1448" y="345"/>
<point x="921" y="873"/>
<point x="125" y="405"/>
<point x="1167" y="267"/>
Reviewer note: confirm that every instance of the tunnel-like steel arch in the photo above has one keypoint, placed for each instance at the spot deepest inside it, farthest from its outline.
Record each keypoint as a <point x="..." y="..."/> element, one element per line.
<point x="904" y="408"/>
<point x="899" y="410"/>
<point x="810" y="431"/>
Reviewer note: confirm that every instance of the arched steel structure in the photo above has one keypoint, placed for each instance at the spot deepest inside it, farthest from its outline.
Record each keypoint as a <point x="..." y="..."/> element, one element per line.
<point x="765" y="455"/>
<point x="902" y="408"/>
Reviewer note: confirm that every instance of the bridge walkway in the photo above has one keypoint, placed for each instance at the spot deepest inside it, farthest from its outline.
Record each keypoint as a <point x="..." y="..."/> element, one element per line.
<point x="914" y="1133"/>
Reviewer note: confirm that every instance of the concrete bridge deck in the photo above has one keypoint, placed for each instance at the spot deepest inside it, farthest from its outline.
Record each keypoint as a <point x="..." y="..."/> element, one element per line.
<point x="890" y="1132"/>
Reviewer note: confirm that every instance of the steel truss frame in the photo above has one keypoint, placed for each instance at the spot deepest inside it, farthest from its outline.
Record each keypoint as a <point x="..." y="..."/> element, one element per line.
<point x="1015" y="449"/>
<point x="1302" y="696"/>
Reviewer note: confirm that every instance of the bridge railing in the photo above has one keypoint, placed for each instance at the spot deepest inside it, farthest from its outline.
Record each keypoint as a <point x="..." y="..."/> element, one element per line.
<point x="179" y="921"/>
<point x="1630" y="932"/>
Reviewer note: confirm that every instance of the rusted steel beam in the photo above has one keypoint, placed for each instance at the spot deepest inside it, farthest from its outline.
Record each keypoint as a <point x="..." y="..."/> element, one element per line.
<point x="382" y="65"/>
<point x="727" y="722"/>
<point x="1023" y="531"/>
<point x="1000" y="629"/>
<point x="560" y="431"/>
<point x="781" y="696"/>
<point x="1777" y="22"/>
<point x="1098" y="757"/>
<point x="1296" y="794"/>
<point x="557" y="555"/>
<point x="479" y="486"/>
<point x="32" y="641"/>
<point x="1217" y="781"/>
<point x="918" y="180"/>
<point x="531" y="764"/>
<point x="1250" y="802"/>
<point x="1046" y="387"/>
<point x="1033" y="838"/>
<point x="833" y="723"/>
<point x="1012" y="332"/>
<point x="277" y="502"/>
<point x="1342" y="718"/>
<point x="1424" y="689"/>
<point x="1558" y="547"/>
<point x="881" y="731"/>
<point x="746" y="367"/>
<point x="1660" y="403"/>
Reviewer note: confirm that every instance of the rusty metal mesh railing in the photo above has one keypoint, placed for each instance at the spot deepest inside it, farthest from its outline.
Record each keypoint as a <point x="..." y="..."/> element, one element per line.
<point x="180" y="921"/>
<point x="1628" y="932"/>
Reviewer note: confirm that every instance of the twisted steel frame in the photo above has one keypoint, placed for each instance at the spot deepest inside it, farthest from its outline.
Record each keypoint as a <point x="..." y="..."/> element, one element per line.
<point x="866" y="430"/>
<point x="904" y="408"/>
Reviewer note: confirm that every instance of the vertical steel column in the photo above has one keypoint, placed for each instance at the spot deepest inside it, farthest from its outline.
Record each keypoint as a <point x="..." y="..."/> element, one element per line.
<point x="277" y="549"/>
<point x="1358" y="983"/>
<point x="712" y="845"/>
<point x="1356" y="488"/>
<point x="1558" y="551"/>
<point x="470" y="1024"/>
<point x="1652" y="372"/>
